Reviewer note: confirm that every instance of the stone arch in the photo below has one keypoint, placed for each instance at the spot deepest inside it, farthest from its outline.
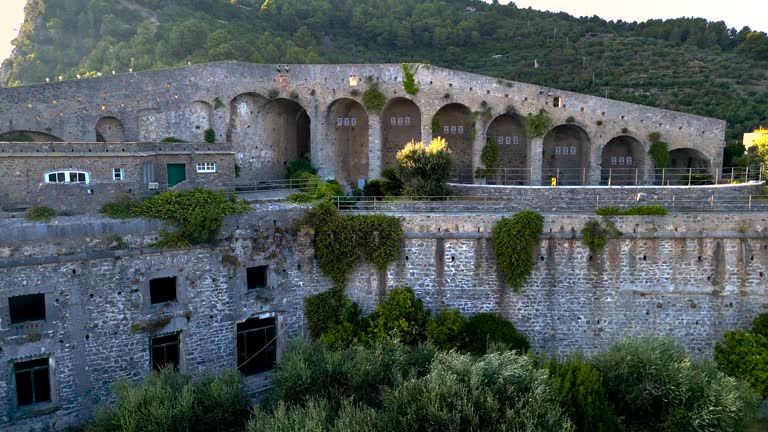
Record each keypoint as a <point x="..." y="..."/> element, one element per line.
<point x="565" y="155"/>
<point x="455" y="123"/>
<point x="508" y="131"/>
<point x="199" y="119"/>
<point x="347" y="126"/>
<point x="28" y="136"/>
<point x="622" y="161"/>
<point x="688" y="158"/>
<point x="400" y="124"/>
<point x="110" y="129"/>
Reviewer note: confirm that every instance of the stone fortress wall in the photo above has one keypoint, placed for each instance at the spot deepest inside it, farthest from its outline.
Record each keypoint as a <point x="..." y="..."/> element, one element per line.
<point x="687" y="275"/>
<point x="269" y="115"/>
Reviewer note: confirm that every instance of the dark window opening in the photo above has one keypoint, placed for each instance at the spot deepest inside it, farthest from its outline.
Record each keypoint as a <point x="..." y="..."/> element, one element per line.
<point x="165" y="352"/>
<point x="256" y="346"/>
<point x="27" y="308"/>
<point x="33" y="383"/>
<point x="162" y="290"/>
<point x="257" y="277"/>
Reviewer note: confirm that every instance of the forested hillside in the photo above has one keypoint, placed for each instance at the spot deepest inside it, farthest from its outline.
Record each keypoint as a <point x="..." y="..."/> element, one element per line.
<point x="686" y="64"/>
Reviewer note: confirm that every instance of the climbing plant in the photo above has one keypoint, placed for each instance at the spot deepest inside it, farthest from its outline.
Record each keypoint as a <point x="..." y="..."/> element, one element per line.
<point x="409" y="80"/>
<point x="341" y="241"/>
<point x="514" y="240"/>
<point x="210" y="136"/>
<point x="374" y="100"/>
<point x="659" y="151"/>
<point x="538" y="124"/>
<point x="489" y="157"/>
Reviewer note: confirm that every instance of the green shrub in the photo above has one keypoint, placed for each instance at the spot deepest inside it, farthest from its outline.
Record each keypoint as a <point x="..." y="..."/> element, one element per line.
<point x="485" y="329"/>
<point x="313" y="188"/>
<point x="608" y="211"/>
<point x="654" y="385"/>
<point x="659" y="151"/>
<point x="172" y="140"/>
<point x="317" y="416"/>
<point x="170" y="402"/>
<point x="579" y="387"/>
<point x="514" y="240"/>
<point x="100" y="137"/>
<point x="374" y="100"/>
<point x="210" y="136"/>
<point x="401" y="316"/>
<point x="299" y="166"/>
<point x="653" y="210"/>
<point x="497" y="392"/>
<point x="425" y="170"/>
<point x="391" y="184"/>
<point x="744" y="355"/>
<point x="448" y="330"/>
<point x="409" y="81"/>
<point x="199" y="214"/>
<point x="323" y="310"/>
<point x="120" y="209"/>
<point x="760" y="325"/>
<point x="594" y="236"/>
<point x="374" y="188"/>
<point x="490" y="155"/>
<point x="539" y="124"/>
<point x="40" y="213"/>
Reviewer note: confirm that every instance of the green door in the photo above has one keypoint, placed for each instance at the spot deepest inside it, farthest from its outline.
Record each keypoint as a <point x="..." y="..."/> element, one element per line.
<point x="177" y="173"/>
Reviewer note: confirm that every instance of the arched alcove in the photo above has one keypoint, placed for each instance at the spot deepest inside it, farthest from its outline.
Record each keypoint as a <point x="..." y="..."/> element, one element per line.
<point x="455" y="123"/>
<point x="28" y="136"/>
<point x="110" y="129"/>
<point x="508" y="132"/>
<point x="400" y="124"/>
<point x="566" y="156"/>
<point x="622" y="161"/>
<point x="347" y="126"/>
<point x="199" y="118"/>
<point x="688" y="158"/>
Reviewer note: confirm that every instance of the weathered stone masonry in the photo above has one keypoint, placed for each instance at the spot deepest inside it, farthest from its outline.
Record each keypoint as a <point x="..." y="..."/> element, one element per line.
<point x="690" y="276"/>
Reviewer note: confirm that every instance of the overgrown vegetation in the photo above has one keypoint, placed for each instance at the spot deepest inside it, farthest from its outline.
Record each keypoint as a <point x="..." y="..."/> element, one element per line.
<point x="409" y="81"/>
<point x="198" y="214"/>
<point x="489" y="157"/>
<point x="651" y="210"/>
<point x="744" y="355"/>
<point x="659" y="151"/>
<point x="40" y="213"/>
<point x="123" y="208"/>
<point x="210" y="136"/>
<point x="299" y="166"/>
<point x="538" y="125"/>
<point x="374" y="100"/>
<point x="172" y="140"/>
<point x="595" y="234"/>
<point x="313" y="188"/>
<point x="514" y="240"/>
<point x="425" y="169"/>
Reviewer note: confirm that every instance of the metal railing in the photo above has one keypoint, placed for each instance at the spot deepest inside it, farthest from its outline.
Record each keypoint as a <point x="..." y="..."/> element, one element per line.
<point x="265" y="185"/>
<point x="580" y="204"/>
<point x="613" y="176"/>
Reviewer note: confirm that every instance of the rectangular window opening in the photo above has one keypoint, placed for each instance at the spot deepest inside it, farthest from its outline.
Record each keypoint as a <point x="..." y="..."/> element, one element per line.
<point x="256" y="277"/>
<point x="206" y="167"/>
<point x="629" y="160"/>
<point x="573" y="150"/>
<point x="460" y="129"/>
<point x="614" y="161"/>
<point x="340" y="121"/>
<point x="557" y="150"/>
<point x="162" y="290"/>
<point x="118" y="174"/>
<point x="165" y="352"/>
<point x="557" y="101"/>
<point x="508" y="140"/>
<point x="407" y="121"/>
<point x="256" y="346"/>
<point x="515" y="140"/>
<point x="27" y="308"/>
<point x="33" y="382"/>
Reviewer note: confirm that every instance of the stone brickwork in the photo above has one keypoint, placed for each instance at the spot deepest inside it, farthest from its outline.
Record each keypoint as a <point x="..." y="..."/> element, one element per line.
<point x="271" y="114"/>
<point x="691" y="276"/>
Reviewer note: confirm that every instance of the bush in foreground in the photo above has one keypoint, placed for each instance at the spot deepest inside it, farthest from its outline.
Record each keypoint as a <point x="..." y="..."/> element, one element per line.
<point x="40" y="213"/>
<point x="744" y="355"/>
<point x="486" y="329"/>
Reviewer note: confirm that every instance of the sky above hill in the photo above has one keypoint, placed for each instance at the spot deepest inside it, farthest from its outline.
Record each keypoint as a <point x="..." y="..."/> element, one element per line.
<point x="735" y="13"/>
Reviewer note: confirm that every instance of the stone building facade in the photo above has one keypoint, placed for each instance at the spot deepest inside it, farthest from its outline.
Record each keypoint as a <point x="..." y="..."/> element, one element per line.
<point x="104" y="309"/>
<point x="269" y="115"/>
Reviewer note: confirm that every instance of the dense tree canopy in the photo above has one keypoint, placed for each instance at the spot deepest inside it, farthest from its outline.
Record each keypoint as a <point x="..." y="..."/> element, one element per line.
<point x="686" y="64"/>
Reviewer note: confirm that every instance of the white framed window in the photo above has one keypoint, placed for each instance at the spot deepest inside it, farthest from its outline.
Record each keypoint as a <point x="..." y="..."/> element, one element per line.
<point x="557" y="150"/>
<point x="500" y="140"/>
<point x="515" y="140"/>
<point x="353" y="121"/>
<point x="67" y="177"/>
<point x="346" y="121"/>
<point x="614" y="160"/>
<point x="460" y="129"/>
<point x="118" y="174"/>
<point x="407" y="121"/>
<point x="508" y="140"/>
<point x="573" y="150"/>
<point x="399" y="121"/>
<point x="392" y="121"/>
<point x="629" y="160"/>
<point x="339" y="121"/>
<point x="446" y="130"/>
<point x="621" y="161"/>
<point x="453" y="130"/>
<point x="206" y="167"/>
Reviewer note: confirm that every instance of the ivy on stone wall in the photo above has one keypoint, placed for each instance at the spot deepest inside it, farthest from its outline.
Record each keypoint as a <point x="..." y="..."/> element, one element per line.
<point x="210" y="136"/>
<point x="538" y="124"/>
<point x="341" y="241"/>
<point x="514" y="240"/>
<point x="489" y="157"/>
<point x="374" y="100"/>
<point x="659" y="151"/>
<point x="409" y="80"/>
<point x="595" y="234"/>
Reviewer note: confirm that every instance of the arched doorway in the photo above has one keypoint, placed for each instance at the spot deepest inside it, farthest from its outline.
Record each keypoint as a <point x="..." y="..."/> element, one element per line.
<point x="347" y="126"/>
<point x="28" y="136"/>
<point x="622" y="162"/>
<point x="508" y="132"/>
<point x="688" y="166"/>
<point x="400" y="124"/>
<point x="455" y="123"/>
<point x="110" y="129"/>
<point x="566" y="156"/>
